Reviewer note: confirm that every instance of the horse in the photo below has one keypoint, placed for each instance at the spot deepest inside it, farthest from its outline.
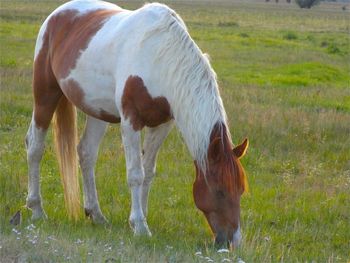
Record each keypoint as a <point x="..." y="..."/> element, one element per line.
<point x="141" y="69"/>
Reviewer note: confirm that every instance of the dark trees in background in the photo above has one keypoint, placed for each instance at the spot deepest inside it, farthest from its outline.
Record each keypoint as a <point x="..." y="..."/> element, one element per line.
<point x="306" y="3"/>
<point x="288" y="1"/>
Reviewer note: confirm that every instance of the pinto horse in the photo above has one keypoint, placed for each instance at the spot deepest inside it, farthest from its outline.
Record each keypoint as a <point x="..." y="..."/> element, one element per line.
<point x="140" y="69"/>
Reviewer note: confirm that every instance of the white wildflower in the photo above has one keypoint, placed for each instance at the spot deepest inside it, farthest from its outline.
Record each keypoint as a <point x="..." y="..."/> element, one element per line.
<point x="79" y="241"/>
<point x="108" y="248"/>
<point x="14" y="230"/>
<point x="223" y="250"/>
<point x="267" y="239"/>
<point x="31" y="227"/>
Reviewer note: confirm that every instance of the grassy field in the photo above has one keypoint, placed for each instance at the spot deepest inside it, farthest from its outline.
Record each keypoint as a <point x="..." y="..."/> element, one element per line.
<point x="284" y="78"/>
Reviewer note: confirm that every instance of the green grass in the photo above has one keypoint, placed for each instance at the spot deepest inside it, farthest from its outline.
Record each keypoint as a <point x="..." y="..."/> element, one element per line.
<point x="284" y="78"/>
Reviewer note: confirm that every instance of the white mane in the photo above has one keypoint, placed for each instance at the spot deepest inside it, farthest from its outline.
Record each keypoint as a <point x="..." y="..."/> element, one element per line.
<point x="190" y="82"/>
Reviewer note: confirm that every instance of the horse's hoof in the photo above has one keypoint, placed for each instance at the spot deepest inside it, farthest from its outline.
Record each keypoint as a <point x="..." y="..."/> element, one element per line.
<point x="142" y="231"/>
<point x="96" y="217"/>
<point x="38" y="215"/>
<point x="99" y="220"/>
<point x="35" y="206"/>
<point x="140" y="228"/>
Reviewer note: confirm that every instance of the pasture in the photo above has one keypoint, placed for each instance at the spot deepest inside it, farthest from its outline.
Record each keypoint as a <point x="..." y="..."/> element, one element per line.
<point x="284" y="79"/>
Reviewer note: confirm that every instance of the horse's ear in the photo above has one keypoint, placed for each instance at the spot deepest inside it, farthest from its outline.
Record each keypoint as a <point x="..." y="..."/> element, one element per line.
<point x="240" y="150"/>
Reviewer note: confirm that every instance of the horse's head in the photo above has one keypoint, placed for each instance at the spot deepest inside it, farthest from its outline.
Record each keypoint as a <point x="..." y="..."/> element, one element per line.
<point x="217" y="193"/>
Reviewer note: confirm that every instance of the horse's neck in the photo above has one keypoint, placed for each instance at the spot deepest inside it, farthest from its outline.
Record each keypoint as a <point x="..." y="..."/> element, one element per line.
<point x="188" y="82"/>
<point x="195" y="115"/>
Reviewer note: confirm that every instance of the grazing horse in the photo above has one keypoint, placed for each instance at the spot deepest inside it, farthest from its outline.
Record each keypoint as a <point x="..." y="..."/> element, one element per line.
<point x="140" y="69"/>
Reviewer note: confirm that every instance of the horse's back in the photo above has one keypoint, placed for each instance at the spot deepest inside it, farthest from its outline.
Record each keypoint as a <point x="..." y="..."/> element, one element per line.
<point x="70" y="28"/>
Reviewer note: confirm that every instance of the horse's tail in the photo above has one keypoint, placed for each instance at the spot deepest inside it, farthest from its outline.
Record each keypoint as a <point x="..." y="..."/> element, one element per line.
<point x="65" y="133"/>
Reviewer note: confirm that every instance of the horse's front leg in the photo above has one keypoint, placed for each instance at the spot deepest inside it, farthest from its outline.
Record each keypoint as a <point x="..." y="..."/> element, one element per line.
<point x="154" y="138"/>
<point x="135" y="173"/>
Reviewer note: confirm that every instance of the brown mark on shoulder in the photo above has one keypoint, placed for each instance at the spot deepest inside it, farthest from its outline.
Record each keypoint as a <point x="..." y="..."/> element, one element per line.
<point x="140" y="108"/>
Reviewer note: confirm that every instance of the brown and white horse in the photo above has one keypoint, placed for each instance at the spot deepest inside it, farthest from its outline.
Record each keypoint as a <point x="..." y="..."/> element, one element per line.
<point x="140" y="69"/>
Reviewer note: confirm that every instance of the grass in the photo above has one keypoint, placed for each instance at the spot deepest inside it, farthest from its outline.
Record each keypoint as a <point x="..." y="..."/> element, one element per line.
<point x="284" y="78"/>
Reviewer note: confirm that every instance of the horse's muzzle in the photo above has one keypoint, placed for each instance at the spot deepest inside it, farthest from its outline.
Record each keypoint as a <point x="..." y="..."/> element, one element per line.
<point x="221" y="240"/>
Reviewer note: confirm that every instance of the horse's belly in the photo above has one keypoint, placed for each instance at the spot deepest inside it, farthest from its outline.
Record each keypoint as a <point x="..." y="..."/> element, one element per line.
<point x="94" y="99"/>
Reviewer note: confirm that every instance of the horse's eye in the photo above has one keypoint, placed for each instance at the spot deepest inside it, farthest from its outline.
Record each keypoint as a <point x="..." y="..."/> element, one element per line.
<point x="220" y="194"/>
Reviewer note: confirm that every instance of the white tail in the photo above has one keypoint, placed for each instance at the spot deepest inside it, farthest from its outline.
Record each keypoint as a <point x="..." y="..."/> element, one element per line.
<point x="65" y="133"/>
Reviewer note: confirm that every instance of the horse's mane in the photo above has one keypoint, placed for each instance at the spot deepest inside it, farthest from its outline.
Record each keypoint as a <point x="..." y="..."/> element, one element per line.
<point x="192" y="88"/>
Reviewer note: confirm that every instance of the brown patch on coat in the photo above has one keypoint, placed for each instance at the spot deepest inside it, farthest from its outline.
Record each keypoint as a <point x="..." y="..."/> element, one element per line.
<point x="74" y="92"/>
<point x="67" y="34"/>
<point x="108" y="117"/>
<point x="46" y="90"/>
<point x="141" y="108"/>
<point x="70" y="34"/>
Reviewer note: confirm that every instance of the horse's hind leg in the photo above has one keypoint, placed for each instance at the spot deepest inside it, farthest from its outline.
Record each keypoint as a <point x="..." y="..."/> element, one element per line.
<point x="35" y="149"/>
<point x="154" y="138"/>
<point x="88" y="150"/>
<point x="46" y="100"/>
<point x="47" y="94"/>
